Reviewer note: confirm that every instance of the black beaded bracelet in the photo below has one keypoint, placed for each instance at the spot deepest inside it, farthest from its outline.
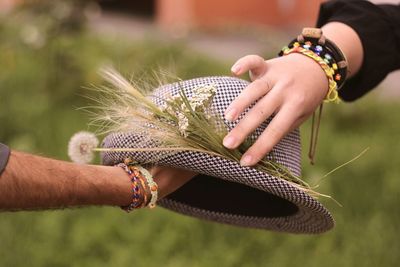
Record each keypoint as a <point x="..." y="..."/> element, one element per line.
<point x="4" y="156"/>
<point x="313" y="38"/>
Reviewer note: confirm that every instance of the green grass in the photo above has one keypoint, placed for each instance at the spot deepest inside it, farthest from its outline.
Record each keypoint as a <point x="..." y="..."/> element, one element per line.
<point x="40" y="90"/>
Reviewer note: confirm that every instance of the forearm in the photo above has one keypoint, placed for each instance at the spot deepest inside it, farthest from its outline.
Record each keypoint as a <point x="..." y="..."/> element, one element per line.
<point x="32" y="182"/>
<point x="378" y="29"/>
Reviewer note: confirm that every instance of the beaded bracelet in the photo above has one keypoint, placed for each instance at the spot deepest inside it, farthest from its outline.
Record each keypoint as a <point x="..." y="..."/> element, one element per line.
<point x="146" y="194"/>
<point x="312" y="43"/>
<point x="314" y="40"/>
<point x="143" y="174"/>
<point x="316" y="37"/>
<point x="332" y="95"/>
<point x="152" y="185"/>
<point x="135" y="188"/>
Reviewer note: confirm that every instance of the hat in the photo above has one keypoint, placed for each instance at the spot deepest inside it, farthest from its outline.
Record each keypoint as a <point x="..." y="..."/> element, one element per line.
<point x="224" y="191"/>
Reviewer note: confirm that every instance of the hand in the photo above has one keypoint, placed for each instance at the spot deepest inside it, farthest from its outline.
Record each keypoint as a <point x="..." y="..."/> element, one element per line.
<point x="289" y="87"/>
<point x="170" y="179"/>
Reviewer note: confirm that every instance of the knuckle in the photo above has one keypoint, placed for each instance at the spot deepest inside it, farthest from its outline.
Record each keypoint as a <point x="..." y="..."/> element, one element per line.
<point x="254" y="86"/>
<point x="258" y="110"/>
<point x="266" y="83"/>
<point x="258" y="152"/>
<point x="240" y="102"/>
<point x="274" y="134"/>
<point x="240" y="131"/>
<point x="235" y="102"/>
<point x="300" y="99"/>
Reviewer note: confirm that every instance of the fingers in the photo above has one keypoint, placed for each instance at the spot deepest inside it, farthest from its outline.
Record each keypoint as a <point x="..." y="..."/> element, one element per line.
<point x="287" y="91"/>
<point x="253" y="63"/>
<point x="249" y="95"/>
<point x="257" y="115"/>
<point x="282" y="124"/>
<point x="259" y="87"/>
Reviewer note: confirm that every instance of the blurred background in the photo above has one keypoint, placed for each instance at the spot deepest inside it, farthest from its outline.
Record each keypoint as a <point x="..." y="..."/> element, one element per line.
<point x="50" y="52"/>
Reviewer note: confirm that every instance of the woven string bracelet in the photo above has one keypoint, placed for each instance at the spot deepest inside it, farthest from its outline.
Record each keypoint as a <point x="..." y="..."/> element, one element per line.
<point x="144" y="174"/>
<point x="135" y="189"/>
<point x="146" y="194"/>
<point x="151" y="185"/>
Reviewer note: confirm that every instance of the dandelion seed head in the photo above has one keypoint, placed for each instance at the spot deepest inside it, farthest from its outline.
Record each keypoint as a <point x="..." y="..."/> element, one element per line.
<point x="80" y="147"/>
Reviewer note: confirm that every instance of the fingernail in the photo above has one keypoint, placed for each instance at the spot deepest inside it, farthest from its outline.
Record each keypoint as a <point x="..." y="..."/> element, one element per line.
<point x="230" y="114"/>
<point x="246" y="160"/>
<point x="229" y="142"/>
<point x="235" y="68"/>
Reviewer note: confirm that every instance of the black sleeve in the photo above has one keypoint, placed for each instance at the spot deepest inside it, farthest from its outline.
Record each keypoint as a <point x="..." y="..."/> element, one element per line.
<point x="378" y="27"/>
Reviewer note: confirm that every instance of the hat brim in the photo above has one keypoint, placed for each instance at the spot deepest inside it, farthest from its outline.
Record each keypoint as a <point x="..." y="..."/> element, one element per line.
<point x="228" y="193"/>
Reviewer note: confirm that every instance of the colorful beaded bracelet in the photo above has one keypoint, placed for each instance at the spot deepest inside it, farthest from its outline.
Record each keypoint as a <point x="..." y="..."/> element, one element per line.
<point x="314" y="40"/>
<point x="137" y="195"/>
<point x="316" y="35"/>
<point x="332" y="95"/>
<point x="151" y="184"/>
<point x="320" y="51"/>
<point x="146" y="194"/>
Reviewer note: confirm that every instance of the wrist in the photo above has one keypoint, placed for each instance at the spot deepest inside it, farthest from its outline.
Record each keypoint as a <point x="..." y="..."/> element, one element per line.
<point x="348" y="41"/>
<point x="112" y="187"/>
<point x="94" y="185"/>
<point x="331" y="59"/>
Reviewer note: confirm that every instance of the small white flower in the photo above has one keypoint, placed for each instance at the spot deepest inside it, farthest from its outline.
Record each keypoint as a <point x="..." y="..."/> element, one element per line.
<point x="80" y="147"/>
<point x="205" y="91"/>
<point x="199" y="102"/>
<point x="183" y="124"/>
<point x="202" y="97"/>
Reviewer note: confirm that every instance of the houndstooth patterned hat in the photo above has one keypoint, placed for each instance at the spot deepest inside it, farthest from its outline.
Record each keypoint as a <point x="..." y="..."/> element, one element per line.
<point x="224" y="191"/>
